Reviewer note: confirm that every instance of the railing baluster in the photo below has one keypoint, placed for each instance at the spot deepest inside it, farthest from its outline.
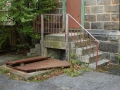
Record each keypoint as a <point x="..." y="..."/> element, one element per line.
<point x="67" y="42"/>
<point x="96" y="54"/>
<point x="42" y="35"/>
<point x="48" y="23"/>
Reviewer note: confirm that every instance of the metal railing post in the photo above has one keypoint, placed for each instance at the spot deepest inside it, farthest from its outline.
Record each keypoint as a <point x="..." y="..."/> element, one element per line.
<point x="42" y="35"/>
<point x="66" y="36"/>
<point x="96" y="54"/>
<point x="63" y="23"/>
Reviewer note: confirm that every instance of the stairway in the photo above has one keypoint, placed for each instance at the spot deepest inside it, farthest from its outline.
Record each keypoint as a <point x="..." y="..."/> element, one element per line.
<point x="34" y="51"/>
<point x="82" y="52"/>
<point x="63" y="34"/>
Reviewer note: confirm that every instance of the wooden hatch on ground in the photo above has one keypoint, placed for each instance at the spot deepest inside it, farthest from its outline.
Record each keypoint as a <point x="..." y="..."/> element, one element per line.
<point x="37" y="63"/>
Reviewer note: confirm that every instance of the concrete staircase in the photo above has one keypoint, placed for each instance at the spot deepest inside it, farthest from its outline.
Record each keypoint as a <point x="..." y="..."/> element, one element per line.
<point x="82" y="55"/>
<point x="82" y="52"/>
<point x="34" y="51"/>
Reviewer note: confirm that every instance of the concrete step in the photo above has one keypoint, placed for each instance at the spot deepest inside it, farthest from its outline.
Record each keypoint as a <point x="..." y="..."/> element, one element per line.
<point x="32" y="54"/>
<point x="100" y="64"/>
<point x="84" y="50"/>
<point x="79" y="43"/>
<point x="37" y="46"/>
<point x="89" y="49"/>
<point x="61" y="37"/>
<point x="55" y="44"/>
<point x="91" y="57"/>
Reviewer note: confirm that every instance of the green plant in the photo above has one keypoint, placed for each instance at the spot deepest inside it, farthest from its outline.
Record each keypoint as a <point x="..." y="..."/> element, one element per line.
<point x="72" y="56"/>
<point x="72" y="71"/>
<point x="118" y="58"/>
<point x="74" y="68"/>
<point x="22" y="46"/>
<point x="85" y="68"/>
<point x="3" y="35"/>
<point x="22" y="13"/>
<point x="4" y="70"/>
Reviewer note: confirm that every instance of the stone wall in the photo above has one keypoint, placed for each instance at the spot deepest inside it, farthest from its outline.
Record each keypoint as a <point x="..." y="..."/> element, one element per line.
<point x="102" y="14"/>
<point x="102" y="19"/>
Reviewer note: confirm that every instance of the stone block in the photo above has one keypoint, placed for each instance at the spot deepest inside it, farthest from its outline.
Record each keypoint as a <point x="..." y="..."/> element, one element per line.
<point x="115" y="17"/>
<point x="106" y="55"/>
<point x="114" y="35"/>
<point x="37" y="46"/>
<point x="90" y="17"/>
<point x="96" y="9"/>
<point x="100" y="34"/>
<point x="115" y="1"/>
<point x="113" y="58"/>
<point x="112" y="47"/>
<point x="78" y="52"/>
<point x="33" y="50"/>
<point x="106" y="32"/>
<point x="87" y="10"/>
<point x="112" y="8"/>
<point x="29" y="54"/>
<point x="103" y="17"/>
<point x="87" y="25"/>
<point x="111" y="25"/>
<point x="38" y="51"/>
<point x="90" y="2"/>
<point x="103" y="2"/>
<point x="101" y="37"/>
<point x="97" y="25"/>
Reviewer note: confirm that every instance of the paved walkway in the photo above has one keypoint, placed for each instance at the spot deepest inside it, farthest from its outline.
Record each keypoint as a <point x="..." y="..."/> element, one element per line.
<point x="87" y="81"/>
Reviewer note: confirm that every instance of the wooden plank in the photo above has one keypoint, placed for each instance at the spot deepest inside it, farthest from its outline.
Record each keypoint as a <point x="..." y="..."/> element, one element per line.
<point x="42" y="65"/>
<point x="27" y="60"/>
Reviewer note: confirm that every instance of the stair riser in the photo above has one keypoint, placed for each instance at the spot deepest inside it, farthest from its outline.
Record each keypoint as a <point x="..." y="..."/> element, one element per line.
<point x="91" y="59"/>
<point x="80" y="51"/>
<point x="88" y="51"/>
<point x="93" y="65"/>
<point x="37" y="46"/>
<point x="79" y="44"/>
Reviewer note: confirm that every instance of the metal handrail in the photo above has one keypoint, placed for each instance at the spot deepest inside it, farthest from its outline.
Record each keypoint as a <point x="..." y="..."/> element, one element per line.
<point x="84" y="28"/>
<point x="97" y="42"/>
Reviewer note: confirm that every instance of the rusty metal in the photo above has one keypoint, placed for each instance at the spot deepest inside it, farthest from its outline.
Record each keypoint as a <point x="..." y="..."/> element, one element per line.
<point x="48" y="63"/>
<point x="27" y="60"/>
<point x="97" y="54"/>
<point x="86" y="36"/>
<point x="52" y="23"/>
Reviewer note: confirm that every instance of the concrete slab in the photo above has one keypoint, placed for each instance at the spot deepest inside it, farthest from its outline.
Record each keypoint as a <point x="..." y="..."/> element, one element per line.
<point x="6" y="58"/>
<point x="24" y="74"/>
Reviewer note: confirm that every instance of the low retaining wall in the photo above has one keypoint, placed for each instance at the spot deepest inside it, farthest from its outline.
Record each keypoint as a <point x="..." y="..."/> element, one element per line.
<point x="109" y="43"/>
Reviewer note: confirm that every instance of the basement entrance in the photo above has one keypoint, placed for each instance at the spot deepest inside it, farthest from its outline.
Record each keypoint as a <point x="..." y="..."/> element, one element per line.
<point x="36" y="64"/>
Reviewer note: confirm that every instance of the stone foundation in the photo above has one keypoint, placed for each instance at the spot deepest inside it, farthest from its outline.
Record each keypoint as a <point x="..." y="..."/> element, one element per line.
<point x="102" y="14"/>
<point x="109" y="43"/>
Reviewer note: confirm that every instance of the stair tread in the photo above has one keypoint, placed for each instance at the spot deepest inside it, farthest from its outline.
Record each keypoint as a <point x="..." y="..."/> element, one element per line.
<point x="87" y="47"/>
<point x="100" y="62"/>
<point x="92" y="55"/>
